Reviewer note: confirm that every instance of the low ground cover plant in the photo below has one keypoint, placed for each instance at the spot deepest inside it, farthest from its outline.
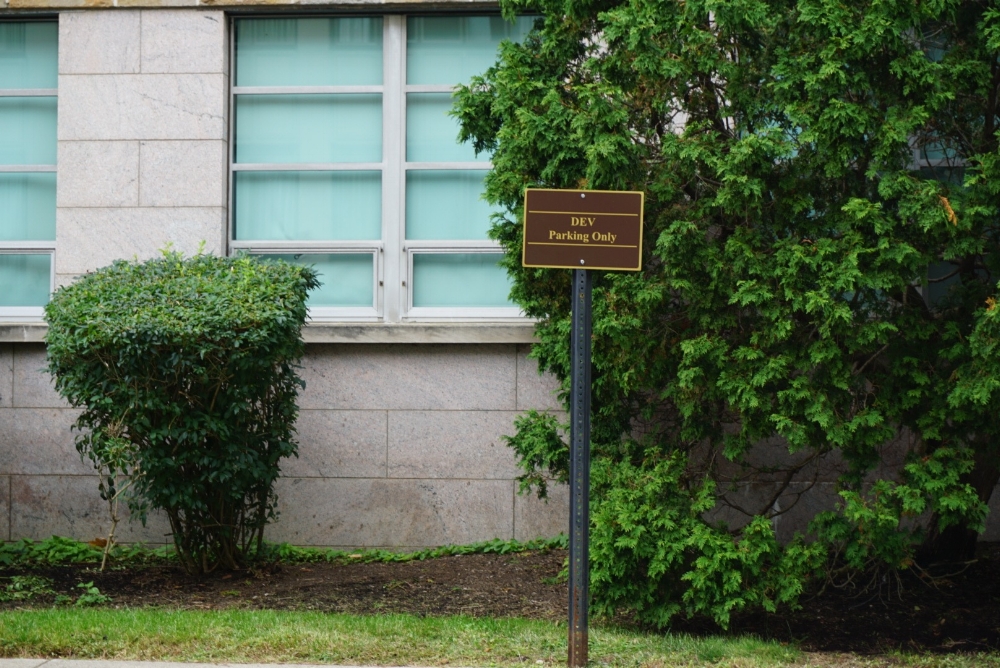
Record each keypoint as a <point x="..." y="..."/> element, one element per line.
<point x="24" y="588"/>
<point x="26" y="554"/>
<point x="185" y="371"/>
<point x="48" y="552"/>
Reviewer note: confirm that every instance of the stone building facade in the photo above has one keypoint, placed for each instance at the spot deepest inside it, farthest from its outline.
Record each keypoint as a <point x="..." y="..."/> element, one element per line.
<point x="409" y="392"/>
<point x="317" y="131"/>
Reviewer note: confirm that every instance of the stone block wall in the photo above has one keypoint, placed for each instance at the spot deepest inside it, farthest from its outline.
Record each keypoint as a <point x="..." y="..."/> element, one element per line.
<point x="142" y="135"/>
<point x="49" y="489"/>
<point x="400" y="446"/>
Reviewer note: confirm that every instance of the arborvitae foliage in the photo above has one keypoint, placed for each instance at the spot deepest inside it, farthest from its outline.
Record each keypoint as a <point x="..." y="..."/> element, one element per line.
<point x="819" y="277"/>
<point x="185" y="371"/>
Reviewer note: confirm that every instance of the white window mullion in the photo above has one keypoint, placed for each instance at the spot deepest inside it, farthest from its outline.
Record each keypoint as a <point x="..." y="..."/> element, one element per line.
<point x="485" y="245"/>
<point x="32" y="247"/>
<point x="394" y="156"/>
<point x="307" y="166"/>
<point x="27" y="169"/>
<point x="471" y="166"/>
<point x="29" y="92"/>
<point x="430" y="88"/>
<point x="231" y="141"/>
<point x="305" y="90"/>
<point x="273" y="246"/>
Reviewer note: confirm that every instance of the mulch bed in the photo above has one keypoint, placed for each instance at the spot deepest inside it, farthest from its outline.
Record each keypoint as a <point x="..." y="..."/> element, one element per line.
<point x="955" y="612"/>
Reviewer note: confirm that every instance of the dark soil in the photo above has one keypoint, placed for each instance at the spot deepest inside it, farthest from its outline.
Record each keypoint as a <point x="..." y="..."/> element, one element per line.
<point x="946" y="609"/>
<point x="951" y="612"/>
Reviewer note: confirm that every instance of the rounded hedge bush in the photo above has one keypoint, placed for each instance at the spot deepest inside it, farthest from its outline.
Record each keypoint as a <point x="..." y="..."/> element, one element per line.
<point x="185" y="371"/>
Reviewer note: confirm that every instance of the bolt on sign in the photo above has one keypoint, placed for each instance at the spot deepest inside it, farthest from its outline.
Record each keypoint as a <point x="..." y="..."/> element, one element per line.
<point x="583" y="229"/>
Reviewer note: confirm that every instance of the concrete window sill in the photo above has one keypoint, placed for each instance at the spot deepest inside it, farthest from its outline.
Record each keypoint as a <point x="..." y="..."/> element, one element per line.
<point x="34" y="332"/>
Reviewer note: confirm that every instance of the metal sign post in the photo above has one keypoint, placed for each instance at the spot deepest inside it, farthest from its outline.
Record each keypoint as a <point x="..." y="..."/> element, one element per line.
<point x="581" y="230"/>
<point x="579" y="491"/>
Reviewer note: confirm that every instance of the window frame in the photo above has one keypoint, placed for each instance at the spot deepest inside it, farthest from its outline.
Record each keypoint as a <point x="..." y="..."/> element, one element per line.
<point x="393" y="253"/>
<point x="30" y="247"/>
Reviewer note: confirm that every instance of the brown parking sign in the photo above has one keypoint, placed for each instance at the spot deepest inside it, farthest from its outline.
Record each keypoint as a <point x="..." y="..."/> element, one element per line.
<point x="583" y="229"/>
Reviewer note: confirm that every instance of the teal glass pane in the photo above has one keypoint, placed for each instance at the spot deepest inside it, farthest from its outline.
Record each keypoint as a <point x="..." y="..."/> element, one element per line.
<point x="452" y="49"/>
<point x="314" y="206"/>
<point x="446" y="204"/>
<point x="945" y="279"/>
<point x="348" y="279"/>
<point x="308" y="128"/>
<point x="27" y="206"/>
<point x="28" y="136"/>
<point x="938" y="151"/>
<point x="431" y="134"/>
<point x="25" y="279"/>
<point x="29" y="54"/>
<point x="944" y="173"/>
<point x="309" y="52"/>
<point x="460" y="279"/>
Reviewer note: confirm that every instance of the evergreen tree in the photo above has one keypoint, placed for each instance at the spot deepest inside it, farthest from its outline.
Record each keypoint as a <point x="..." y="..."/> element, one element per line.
<point x="820" y="275"/>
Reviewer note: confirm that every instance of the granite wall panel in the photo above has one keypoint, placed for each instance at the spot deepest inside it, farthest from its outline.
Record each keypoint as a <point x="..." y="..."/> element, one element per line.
<point x="339" y="444"/>
<point x="451" y="444"/>
<point x="410" y="377"/>
<point x="98" y="173"/>
<point x="91" y="238"/>
<point x="767" y="461"/>
<point x="389" y="476"/>
<point x="143" y="132"/>
<point x="4" y="508"/>
<point x="183" y="42"/>
<point x="541" y="518"/>
<point x="535" y="390"/>
<point x="99" y="42"/>
<point x="793" y="507"/>
<point x="992" y="530"/>
<point x="6" y="375"/>
<point x="371" y="512"/>
<point x="53" y="505"/>
<point x="142" y="106"/>
<point x="39" y="441"/>
<point x="800" y="504"/>
<point x="33" y="386"/>
<point x="182" y="173"/>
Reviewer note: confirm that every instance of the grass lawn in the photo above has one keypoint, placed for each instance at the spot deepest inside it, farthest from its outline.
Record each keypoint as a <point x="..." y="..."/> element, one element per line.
<point x="304" y="637"/>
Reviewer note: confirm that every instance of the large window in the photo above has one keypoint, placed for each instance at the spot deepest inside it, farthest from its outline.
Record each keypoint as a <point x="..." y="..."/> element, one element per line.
<point x="345" y="158"/>
<point x="28" y="74"/>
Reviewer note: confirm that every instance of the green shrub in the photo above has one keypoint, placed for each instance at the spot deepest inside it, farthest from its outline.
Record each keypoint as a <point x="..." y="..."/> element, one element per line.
<point x="191" y="363"/>
<point x="804" y="282"/>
